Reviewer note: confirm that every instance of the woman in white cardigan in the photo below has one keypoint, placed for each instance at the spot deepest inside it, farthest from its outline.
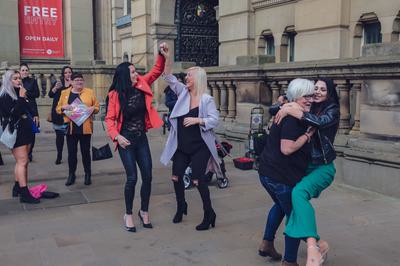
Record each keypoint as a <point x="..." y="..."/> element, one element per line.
<point x="191" y="139"/>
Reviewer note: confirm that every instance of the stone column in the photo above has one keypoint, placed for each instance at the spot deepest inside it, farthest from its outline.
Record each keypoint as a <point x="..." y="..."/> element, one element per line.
<point x="284" y="86"/>
<point x="357" y="89"/>
<point x="215" y="93"/>
<point x="231" y="100"/>
<point x="223" y="99"/>
<point x="275" y="92"/>
<point x="39" y="82"/>
<point x="344" y="93"/>
<point x="48" y="85"/>
<point x="209" y="89"/>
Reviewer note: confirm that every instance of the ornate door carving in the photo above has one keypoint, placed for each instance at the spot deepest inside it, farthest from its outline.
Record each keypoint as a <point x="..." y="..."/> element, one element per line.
<point x="197" y="26"/>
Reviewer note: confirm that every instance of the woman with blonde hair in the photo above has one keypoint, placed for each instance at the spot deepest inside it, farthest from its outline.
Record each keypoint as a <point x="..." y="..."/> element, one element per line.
<point x="191" y="139"/>
<point x="14" y="107"/>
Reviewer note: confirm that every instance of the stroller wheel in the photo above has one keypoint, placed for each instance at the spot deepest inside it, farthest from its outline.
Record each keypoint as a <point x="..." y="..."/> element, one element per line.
<point x="187" y="178"/>
<point x="223" y="182"/>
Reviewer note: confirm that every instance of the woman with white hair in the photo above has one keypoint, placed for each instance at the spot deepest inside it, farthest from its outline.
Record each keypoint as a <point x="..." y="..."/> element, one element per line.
<point x="191" y="139"/>
<point x="283" y="163"/>
<point x="14" y="107"/>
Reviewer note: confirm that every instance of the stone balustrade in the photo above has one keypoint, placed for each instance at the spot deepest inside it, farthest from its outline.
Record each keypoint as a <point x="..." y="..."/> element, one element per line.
<point x="359" y="83"/>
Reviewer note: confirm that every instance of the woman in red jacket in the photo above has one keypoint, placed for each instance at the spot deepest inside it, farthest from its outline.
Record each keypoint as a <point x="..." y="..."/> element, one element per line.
<point x="129" y="116"/>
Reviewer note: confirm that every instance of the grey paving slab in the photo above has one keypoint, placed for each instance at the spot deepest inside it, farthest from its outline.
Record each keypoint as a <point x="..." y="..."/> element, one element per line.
<point x="10" y="205"/>
<point x="65" y="199"/>
<point x="85" y="226"/>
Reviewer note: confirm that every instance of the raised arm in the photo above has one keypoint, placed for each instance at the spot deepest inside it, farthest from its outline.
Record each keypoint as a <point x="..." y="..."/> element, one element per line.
<point x="156" y="71"/>
<point x="172" y="81"/>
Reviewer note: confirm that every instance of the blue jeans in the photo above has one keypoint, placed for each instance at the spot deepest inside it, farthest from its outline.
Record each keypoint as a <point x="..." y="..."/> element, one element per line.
<point x="281" y="194"/>
<point x="136" y="153"/>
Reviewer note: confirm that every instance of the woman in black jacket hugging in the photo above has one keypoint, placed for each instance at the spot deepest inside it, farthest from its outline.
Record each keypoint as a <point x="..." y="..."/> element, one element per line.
<point x="13" y="113"/>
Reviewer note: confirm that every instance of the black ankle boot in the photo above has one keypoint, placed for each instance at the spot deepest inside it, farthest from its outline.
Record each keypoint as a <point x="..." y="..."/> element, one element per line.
<point x="70" y="180"/>
<point x="88" y="179"/>
<point x="26" y="197"/>
<point x="209" y="219"/>
<point x="180" y="211"/>
<point x="16" y="190"/>
<point x="58" y="160"/>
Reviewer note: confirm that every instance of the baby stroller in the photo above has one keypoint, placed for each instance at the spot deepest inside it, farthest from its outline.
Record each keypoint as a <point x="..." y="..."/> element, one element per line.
<point x="223" y="150"/>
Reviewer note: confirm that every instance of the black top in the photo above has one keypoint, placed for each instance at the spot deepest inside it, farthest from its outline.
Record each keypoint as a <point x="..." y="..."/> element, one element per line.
<point x="56" y="118"/>
<point x="75" y="128"/>
<point x="134" y="111"/>
<point x="189" y="138"/>
<point x="14" y="113"/>
<point x="32" y="92"/>
<point x="282" y="168"/>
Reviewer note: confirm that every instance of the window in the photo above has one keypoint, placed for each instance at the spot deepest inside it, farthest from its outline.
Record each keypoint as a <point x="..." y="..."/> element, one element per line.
<point x="291" y="36"/>
<point x="128" y="7"/>
<point x="269" y="45"/>
<point x="372" y="33"/>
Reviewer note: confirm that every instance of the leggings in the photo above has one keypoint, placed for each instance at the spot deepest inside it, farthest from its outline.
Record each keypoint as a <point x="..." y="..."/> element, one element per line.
<point x="198" y="161"/>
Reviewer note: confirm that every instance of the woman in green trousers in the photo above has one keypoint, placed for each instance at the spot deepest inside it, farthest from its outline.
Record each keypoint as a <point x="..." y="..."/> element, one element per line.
<point x="324" y="116"/>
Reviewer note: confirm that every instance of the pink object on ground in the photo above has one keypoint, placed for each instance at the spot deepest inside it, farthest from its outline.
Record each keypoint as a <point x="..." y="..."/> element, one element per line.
<point x="36" y="191"/>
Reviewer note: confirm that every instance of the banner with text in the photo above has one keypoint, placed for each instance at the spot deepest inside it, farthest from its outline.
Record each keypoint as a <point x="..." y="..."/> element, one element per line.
<point x="41" y="28"/>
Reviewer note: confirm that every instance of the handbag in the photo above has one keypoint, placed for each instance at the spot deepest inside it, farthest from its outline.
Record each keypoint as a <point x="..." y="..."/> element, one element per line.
<point x="35" y="128"/>
<point x="102" y="153"/>
<point x="9" y="138"/>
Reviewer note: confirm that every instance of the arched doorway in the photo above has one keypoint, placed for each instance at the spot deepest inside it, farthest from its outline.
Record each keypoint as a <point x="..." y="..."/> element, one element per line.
<point x="197" y="32"/>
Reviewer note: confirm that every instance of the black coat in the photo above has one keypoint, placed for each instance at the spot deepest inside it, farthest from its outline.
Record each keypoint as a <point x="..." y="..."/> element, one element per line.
<point x="32" y="92"/>
<point x="56" y="118"/>
<point x="327" y="124"/>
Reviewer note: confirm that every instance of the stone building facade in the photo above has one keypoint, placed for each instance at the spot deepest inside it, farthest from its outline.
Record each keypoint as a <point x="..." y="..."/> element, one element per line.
<point x="251" y="50"/>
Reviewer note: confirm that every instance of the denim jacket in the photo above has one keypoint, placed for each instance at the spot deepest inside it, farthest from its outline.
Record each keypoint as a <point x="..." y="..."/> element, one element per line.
<point x="327" y="124"/>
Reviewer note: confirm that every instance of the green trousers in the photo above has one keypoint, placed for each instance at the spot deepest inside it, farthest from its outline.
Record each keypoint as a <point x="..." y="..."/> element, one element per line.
<point x="302" y="222"/>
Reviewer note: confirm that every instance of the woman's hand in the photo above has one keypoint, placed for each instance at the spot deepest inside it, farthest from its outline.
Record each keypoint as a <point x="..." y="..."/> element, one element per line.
<point x="285" y="110"/>
<point x="36" y="120"/>
<point x="122" y="141"/>
<point x="66" y="107"/>
<point x="190" y="121"/>
<point x="57" y="86"/>
<point x="164" y="50"/>
<point x="22" y="91"/>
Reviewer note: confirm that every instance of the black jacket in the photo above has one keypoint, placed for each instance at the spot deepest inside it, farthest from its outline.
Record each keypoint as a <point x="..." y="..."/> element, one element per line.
<point x="32" y="92"/>
<point x="56" y="118"/>
<point x="327" y="124"/>
<point x="12" y="110"/>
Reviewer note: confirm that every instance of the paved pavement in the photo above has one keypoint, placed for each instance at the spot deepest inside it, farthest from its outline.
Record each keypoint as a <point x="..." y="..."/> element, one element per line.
<point x="84" y="226"/>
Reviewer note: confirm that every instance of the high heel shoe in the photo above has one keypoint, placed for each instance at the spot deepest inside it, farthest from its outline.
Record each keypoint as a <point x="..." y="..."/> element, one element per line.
<point x="209" y="219"/>
<point x="127" y="228"/>
<point x="181" y="210"/>
<point x="149" y="225"/>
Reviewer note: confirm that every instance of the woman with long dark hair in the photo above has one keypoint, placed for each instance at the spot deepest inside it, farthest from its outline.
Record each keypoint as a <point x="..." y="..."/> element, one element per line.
<point x="58" y="120"/>
<point x="129" y="116"/>
<point x="32" y="92"/>
<point x="324" y="116"/>
<point x="14" y="107"/>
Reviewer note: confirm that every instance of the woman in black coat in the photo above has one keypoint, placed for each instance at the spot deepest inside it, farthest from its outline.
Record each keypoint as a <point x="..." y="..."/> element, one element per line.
<point x="14" y="107"/>
<point x="32" y="92"/>
<point x="58" y="120"/>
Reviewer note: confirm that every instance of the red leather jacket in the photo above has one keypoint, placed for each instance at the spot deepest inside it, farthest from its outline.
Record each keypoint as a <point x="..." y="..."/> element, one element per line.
<point x="152" y="119"/>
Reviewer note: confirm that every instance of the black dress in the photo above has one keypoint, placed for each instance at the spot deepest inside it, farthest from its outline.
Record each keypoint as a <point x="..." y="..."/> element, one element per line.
<point x="14" y="112"/>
